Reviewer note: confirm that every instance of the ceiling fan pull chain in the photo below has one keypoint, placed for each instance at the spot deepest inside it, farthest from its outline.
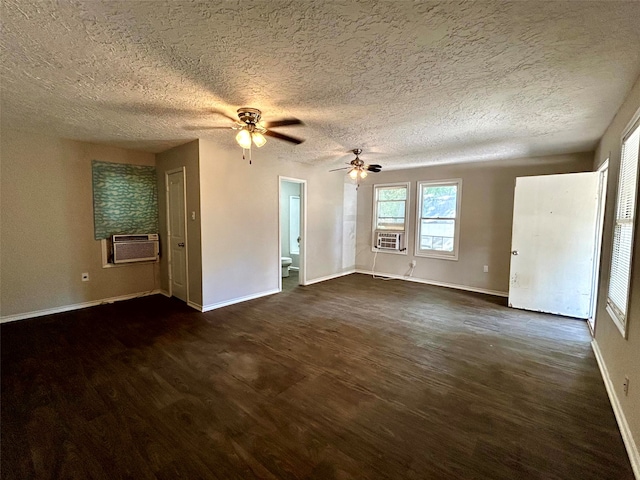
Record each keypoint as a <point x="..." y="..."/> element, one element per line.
<point x="244" y="157"/>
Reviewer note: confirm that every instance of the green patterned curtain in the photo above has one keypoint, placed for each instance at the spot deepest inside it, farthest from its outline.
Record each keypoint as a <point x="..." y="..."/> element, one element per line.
<point x="125" y="199"/>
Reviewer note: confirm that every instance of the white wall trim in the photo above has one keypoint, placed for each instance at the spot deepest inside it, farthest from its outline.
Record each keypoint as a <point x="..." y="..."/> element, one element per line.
<point x="436" y="283"/>
<point x="197" y="306"/>
<point x="329" y="277"/>
<point x="76" y="306"/>
<point x="233" y="301"/>
<point x="625" y="430"/>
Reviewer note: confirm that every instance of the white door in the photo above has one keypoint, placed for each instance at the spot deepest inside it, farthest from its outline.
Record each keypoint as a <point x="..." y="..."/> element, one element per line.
<point x="177" y="235"/>
<point x="553" y="243"/>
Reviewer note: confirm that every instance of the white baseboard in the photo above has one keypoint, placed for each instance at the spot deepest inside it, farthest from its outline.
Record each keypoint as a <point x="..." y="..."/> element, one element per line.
<point x="329" y="277"/>
<point x="436" y="283"/>
<point x="625" y="430"/>
<point x="233" y="301"/>
<point x="165" y="293"/>
<point x="195" y="305"/>
<point x="75" y="306"/>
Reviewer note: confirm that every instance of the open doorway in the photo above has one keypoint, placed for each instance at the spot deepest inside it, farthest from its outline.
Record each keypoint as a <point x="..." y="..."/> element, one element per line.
<point x="292" y="208"/>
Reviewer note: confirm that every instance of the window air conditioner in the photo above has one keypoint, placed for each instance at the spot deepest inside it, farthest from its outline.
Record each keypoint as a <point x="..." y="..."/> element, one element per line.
<point x="390" y="241"/>
<point x="135" y="248"/>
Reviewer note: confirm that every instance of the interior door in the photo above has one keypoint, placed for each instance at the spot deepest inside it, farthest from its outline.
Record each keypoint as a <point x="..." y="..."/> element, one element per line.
<point x="553" y="243"/>
<point x="177" y="235"/>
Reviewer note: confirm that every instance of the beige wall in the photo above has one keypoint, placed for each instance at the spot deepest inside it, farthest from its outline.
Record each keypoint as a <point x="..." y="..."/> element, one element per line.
<point x="240" y="250"/>
<point x="186" y="156"/>
<point x="486" y="217"/>
<point x="621" y="357"/>
<point x="46" y="226"/>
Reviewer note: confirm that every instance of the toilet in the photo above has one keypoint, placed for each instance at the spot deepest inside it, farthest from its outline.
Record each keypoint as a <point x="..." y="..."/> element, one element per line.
<point x="286" y="263"/>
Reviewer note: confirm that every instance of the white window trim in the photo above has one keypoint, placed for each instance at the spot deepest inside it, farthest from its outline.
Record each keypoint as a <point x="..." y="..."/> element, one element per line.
<point x="456" y="240"/>
<point x="623" y="324"/>
<point x="374" y="219"/>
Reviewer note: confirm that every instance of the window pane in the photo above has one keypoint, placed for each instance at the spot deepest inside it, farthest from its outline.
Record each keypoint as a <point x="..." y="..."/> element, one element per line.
<point x="437" y="235"/>
<point x="392" y="193"/>
<point x="391" y="209"/>
<point x="439" y="201"/>
<point x="391" y="215"/>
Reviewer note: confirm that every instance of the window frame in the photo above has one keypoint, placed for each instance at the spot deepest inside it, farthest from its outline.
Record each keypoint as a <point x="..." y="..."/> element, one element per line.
<point x="622" y="322"/>
<point x="374" y="218"/>
<point x="419" y="252"/>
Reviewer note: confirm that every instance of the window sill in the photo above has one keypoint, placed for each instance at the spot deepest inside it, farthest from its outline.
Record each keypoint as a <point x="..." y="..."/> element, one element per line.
<point x="393" y="252"/>
<point x="617" y="322"/>
<point x="436" y="255"/>
<point x="128" y="264"/>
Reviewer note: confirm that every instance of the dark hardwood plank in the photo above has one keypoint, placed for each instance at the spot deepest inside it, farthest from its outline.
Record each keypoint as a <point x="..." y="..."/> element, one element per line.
<point x="353" y="378"/>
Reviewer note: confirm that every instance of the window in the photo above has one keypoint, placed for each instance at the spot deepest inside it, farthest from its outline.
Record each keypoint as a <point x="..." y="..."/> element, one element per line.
<point x="390" y="217"/>
<point x="618" y="296"/>
<point x="390" y="206"/>
<point x="125" y="199"/>
<point x="438" y="219"/>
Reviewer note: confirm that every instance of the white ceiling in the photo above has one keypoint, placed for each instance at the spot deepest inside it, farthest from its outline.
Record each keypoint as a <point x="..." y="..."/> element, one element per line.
<point x="412" y="83"/>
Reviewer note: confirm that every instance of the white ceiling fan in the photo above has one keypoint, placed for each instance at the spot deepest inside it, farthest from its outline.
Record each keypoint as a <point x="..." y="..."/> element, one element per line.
<point x="357" y="168"/>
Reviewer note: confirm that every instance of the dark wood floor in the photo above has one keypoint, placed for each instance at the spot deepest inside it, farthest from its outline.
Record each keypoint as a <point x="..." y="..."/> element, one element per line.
<point x="352" y="378"/>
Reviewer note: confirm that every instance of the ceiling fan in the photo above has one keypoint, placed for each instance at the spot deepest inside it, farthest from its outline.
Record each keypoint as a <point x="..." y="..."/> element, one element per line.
<point x="357" y="168"/>
<point x="252" y="131"/>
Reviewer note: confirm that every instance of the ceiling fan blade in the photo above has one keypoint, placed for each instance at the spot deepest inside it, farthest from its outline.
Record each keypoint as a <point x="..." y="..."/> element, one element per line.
<point x="374" y="165"/>
<point x="280" y="136"/>
<point x="283" y="123"/>
<point x="222" y="114"/>
<point x="342" y="168"/>
<point x="374" y="169"/>
<point x="195" y="127"/>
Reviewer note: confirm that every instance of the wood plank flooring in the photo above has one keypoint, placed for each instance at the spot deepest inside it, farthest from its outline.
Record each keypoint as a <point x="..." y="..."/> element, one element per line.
<point x="352" y="378"/>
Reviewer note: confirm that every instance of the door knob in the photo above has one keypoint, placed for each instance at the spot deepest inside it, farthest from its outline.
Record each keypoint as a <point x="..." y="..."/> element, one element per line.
<point x="514" y="252"/>
<point x="181" y="244"/>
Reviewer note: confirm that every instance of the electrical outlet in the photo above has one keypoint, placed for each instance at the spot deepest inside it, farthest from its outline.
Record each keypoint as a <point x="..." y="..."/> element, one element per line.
<point x="486" y="269"/>
<point x="625" y="385"/>
<point x="85" y="277"/>
<point x="413" y="263"/>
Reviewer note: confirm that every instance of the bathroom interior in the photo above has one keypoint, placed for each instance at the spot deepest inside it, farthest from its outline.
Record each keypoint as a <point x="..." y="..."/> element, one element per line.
<point x="290" y="221"/>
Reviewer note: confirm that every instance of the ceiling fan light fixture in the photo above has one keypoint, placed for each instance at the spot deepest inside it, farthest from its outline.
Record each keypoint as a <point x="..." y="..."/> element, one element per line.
<point x="259" y="139"/>
<point x="363" y="173"/>
<point x="244" y="138"/>
<point x="353" y="173"/>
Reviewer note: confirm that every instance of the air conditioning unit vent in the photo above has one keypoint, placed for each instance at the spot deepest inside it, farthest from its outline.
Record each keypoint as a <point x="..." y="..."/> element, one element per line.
<point x="390" y="241"/>
<point x="135" y="248"/>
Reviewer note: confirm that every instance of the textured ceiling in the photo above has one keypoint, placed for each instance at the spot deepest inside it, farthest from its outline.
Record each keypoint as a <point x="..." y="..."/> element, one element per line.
<point x="412" y="83"/>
